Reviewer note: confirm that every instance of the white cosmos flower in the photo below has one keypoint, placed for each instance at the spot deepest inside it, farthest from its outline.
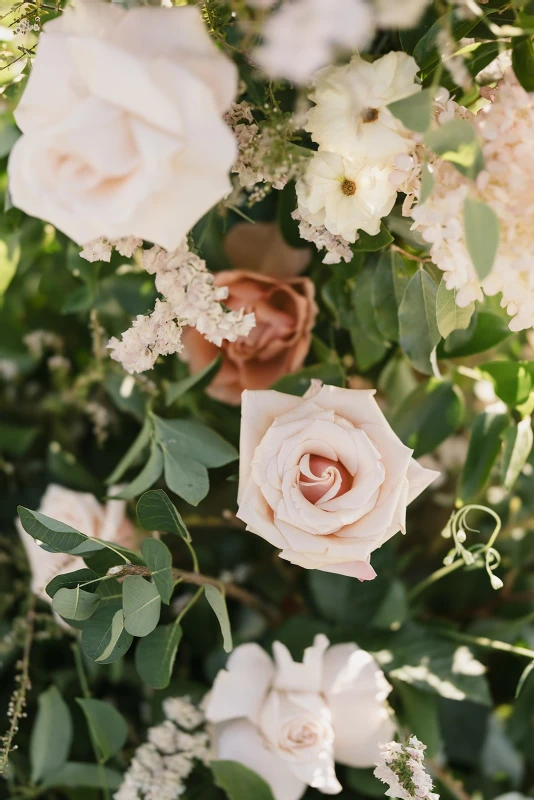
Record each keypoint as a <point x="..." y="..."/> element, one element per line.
<point x="344" y="196"/>
<point x="289" y="721"/>
<point x="351" y="115"/>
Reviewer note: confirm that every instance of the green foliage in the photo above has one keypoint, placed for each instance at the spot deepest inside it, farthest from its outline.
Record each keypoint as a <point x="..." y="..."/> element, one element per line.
<point x="158" y="559"/>
<point x="155" y="655"/>
<point x="218" y="603"/>
<point x="142" y="603"/>
<point x="418" y="327"/>
<point x="484" y="448"/>
<point x="415" y="111"/>
<point x="456" y="141"/>
<point x="107" y="727"/>
<point x="238" y="782"/>
<point x="481" y="227"/>
<point x="429" y="415"/>
<point x="51" y="735"/>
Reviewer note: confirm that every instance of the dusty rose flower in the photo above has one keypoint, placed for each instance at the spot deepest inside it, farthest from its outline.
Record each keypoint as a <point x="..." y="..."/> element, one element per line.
<point x="262" y="248"/>
<point x="285" y="315"/>
<point x="323" y="477"/>
<point x="85" y="514"/>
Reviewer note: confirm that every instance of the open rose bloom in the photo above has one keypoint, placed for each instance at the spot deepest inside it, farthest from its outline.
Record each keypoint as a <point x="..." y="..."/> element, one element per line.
<point x="324" y="477"/>
<point x="290" y="721"/>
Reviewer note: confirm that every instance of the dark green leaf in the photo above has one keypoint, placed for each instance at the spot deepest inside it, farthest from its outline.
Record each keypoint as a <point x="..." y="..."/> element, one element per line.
<point x="513" y="381"/>
<point x="75" y="603"/>
<point x="99" y="631"/>
<point x="142" y="605"/>
<point x="70" y="580"/>
<point x="484" y="447"/>
<point x="187" y="478"/>
<point x="523" y="63"/>
<point x="238" y="782"/>
<point x="418" y="326"/>
<point x="133" y="454"/>
<point x="393" y="610"/>
<point x="173" y="391"/>
<point x="117" y="630"/>
<point x="414" y="111"/>
<point x="456" y="141"/>
<point x="420" y="715"/>
<point x="56" y="535"/>
<point x="362" y="300"/>
<point x="371" y="244"/>
<point x="289" y="227"/>
<point x="108" y="727"/>
<point x="195" y="441"/>
<point x="518" y="440"/>
<point x="299" y="382"/>
<point x="159" y="561"/>
<point x="126" y="394"/>
<point x="481" y="228"/>
<point x="51" y="735"/>
<point x="391" y="278"/>
<point x="155" y="655"/>
<point x="427" y="50"/>
<point x="450" y="317"/>
<point x="485" y="331"/>
<point x="148" y="475"/>
<point x="16" y="440"/>
<point x="364" y="782"/>
<point x="429" y="415"/>
<point x="218" y="603"/>
<point x="75" y="774"/>
<point x="156" y="512"/>
<point x="367" y="352"/>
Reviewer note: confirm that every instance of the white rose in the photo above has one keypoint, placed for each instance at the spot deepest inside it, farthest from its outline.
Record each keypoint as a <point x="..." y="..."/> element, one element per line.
<point x="83" y="513"/>
<point x="122" y="124"/>
<point x="289" y="721"/>
<point x="351" y="115"/>
<point x="344" y="196"/>
<point x="323" y="477"/>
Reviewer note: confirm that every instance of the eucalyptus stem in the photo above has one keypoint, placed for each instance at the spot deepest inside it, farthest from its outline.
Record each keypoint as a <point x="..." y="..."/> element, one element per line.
<point x="484" y="641"/>
<point x="82" y="677"/>
<point x="191" y="602"/>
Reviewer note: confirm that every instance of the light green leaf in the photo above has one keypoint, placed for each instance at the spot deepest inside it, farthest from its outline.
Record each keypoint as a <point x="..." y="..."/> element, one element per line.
<point x="391" y="278"/>
<point x="173" y="391"/>
<point x="371" y="244"/>
<point x="513" y="381"/>
<point x="450" y="317"/>
<point x="185" y="437"/>
<point x="484" y="447"/>
<point x="526" y="675"/>
<point x="429" y="415"/>
<point x="148" y="475"/>
<point x="158" y="559"/>
<point x="76" y="774"/>
<point x="117" y="629"/>
<point x="51" y="735"/>
<point x="131" y="455"/>
<point x="156" y="512"/>
<point x="100" y="630"/>
<point x="75" y="603"/>
<point x="427" y="184"/>
<point x="481" y="226"/>
<point x="238" y="782"/>
<point x="156" y="653"/>
<point x="518" y="440"/>
<point x="415" y="111"/>
<point x="218" y="603"/>
<point x="187" y="478"/>
<point x="142" y="605"/>
<point x="418" y="327"/>
<point x="456" y="141"/>
<point x="107" y="726"/>
<point x="70" y="580"/>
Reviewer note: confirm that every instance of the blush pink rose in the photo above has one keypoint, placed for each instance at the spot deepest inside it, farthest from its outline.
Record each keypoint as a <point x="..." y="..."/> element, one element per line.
<point x="324" y="478"/>
<point x="260" y="247"/>
<point x="285" y="315"/>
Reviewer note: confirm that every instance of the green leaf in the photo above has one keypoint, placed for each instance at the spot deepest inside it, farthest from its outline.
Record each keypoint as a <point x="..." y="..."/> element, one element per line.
<point x="156" y="512"/>
<point x="148" y="475"/>
<point x="185" y="437"/>
<point x="393" y="610"/>
<point x="9" y="260"/>
<point x="156" y="653"/>
<point x="142" y="605"/>
<point x="518" y="440"/>
<point x="99" y="632"/>
<point x="299" y="382"/>
<point x="427" y="50"/>
<point x="370" y="244"/>
<point x="523" y="62"/>
<point x="51" y="735"/>
<point x="456" y="141"/>
<point x="158" y="559"/>
<point x="362" y="299"/>
<point x="107" y="726"/>
<point x="513" y="382"/>
<point x="117" y="630"/>
<point x="485" y="331"/>
<point x="420" y="715"/>
<point x="187" y="478"/>
<point x="289" y="227"/>
<point x="429" y="415"/>
<point x="57" y="536"/>
<point x="173" y="391"/>
<point x="418" y="328"/>
<point x="391" y="278"/>
<point x="367" y="351"/>
<point x="69" y="580"/>
<point x="364" y="782"/>
<point x="484" y="447"/>
<point x="414" y="111"/>
<point x="427" y="184"/>
<point x="131" y="455"/>
<point x="345" y="601"/>
<point x="218" y="603"/>
<point x="526" y="675"/>
<point x="75" y="603"/>
<point x="481" y="227"/>
<point x="127" y="395"/>
<point x="76" y="774"/>
<point x="238" y="782"/>
<point x="16" y="440"/>
<point x="450" y="317"/>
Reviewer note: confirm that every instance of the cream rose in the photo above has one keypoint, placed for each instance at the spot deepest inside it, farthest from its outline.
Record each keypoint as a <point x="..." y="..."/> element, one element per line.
<point x="323" y="477"/>
<point x="122" y="124"/>
<point x="290" y="721"/>
<point x="84" y="513"/>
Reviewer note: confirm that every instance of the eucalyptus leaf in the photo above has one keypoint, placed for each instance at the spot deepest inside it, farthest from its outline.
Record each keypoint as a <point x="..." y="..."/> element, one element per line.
<point x="414" y="111"/>
<point x="196" y="441"/>
<point x="418" y="327"/>
<point x="107" y="726"/>
<point x="51" y="735"/>
<point x="100" y="630"/>
<point x="56" y="535"/>
<point x="69" y="580"/>
<point x="155" y="655"/>
<point x="197" y="381"/>
<point x="156" y="512"/>
<point x="133" y="454"/>
<point x="238" y="782"/>
<point x="186" y="477"/>
<point x="217" y="601"/>
<point x="147" y="477"/>
<point x="142" y="605"/>
<point x="158" y="559"/>
<point x="75" y="603"/>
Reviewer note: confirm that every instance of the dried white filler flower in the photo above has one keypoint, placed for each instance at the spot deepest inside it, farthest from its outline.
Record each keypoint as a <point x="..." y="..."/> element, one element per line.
<point x="401" y="766"/>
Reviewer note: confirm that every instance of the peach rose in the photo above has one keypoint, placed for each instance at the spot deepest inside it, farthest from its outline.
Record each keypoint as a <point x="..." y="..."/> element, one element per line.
<point x="84" y="513"/>
<point x="324" y="477"/>
<point x="285" y="315"/>
<point x="262" y="248"/>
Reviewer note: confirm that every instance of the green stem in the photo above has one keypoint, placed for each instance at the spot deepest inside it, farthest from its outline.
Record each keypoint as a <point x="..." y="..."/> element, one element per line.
<point x="435" y="576"/>
<point x="199" y="592"/>
<point x="483" y="641"/>
<point x="196" y="568"/>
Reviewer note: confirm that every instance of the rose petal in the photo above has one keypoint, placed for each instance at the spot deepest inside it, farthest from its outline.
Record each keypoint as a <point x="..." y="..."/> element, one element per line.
<point x="240" y="689"/>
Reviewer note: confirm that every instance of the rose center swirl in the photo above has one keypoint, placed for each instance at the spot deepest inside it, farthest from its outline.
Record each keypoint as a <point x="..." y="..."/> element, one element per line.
<point x="322" y="479"/>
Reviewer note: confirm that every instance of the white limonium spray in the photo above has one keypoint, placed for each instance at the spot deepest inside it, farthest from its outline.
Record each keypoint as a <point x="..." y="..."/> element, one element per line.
<point x="191" y="298"/>
<point x="401" y="767"/>
<point x="161" y="766"/>
<point x="101" y="249"/>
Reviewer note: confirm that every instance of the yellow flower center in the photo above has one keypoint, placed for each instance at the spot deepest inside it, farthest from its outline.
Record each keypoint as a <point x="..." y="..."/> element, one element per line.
<point x="348" y="187"/>
<point x="370" y="114"/>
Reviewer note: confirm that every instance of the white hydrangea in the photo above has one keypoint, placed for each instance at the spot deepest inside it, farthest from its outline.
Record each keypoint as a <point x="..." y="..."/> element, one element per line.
<point x="161" y="766"/>
<point x="344" y="196"/>
<point x="191" y="298"/>
<point x="401" y="766"/>
<point x="351" y="115"/>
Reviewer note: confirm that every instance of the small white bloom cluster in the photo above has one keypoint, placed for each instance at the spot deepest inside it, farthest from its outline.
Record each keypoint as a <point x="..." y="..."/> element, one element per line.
<point x="265" y="156"/>
<point x="505" y="127"/>
<point x="337" y="248"/>
<point x="160" y="767"/>
<point x="401" y="766"/>
<point x="101" y="249"/>
<point x="351" y="182"/>
<point x="39" y="341"/>
<point x="191" y="298"/>
<point x="24" y="26"/>
<point x="302" y="36"/>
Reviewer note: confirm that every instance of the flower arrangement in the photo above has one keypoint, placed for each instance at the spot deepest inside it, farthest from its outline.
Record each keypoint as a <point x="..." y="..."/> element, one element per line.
<point x="266" y="389"/>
